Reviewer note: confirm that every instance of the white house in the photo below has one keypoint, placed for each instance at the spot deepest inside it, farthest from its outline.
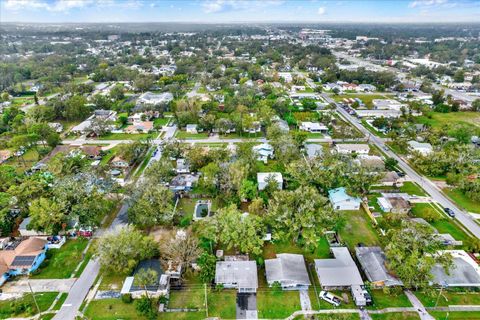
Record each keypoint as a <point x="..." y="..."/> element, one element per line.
<point x="263" y="152"/>
<point x="424" y="148"/>
<point x="264" y="177"/>
<point x="348" y="148"/>
<point x="289" y="270"/>
<point x="342" y="201"/>
<point x="149" y="98"/>
<point x="192" y="128"/>
<point x="240" y="275"/>
<point x="313" y="127"/>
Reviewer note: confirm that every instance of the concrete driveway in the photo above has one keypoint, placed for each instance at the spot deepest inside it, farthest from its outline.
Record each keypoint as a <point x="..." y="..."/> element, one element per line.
<point x="247" y="306"/>
<point x="39" y="285"/>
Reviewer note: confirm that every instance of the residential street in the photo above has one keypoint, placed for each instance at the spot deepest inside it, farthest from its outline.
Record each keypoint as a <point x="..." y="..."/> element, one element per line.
<point x="463" y="217"/>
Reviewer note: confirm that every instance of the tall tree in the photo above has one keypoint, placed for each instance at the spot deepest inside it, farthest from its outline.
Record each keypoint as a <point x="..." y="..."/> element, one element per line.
<point x="153" y="205"/>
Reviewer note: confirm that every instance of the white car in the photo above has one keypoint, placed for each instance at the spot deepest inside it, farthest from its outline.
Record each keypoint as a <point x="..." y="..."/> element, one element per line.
<point x="330" y="298"/>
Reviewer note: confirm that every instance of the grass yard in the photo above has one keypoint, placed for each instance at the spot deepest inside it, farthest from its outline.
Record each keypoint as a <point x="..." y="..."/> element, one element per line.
<point x="145" y="162"/>
<point x="438" y="119"/>
<point x="191" y="296"/>
<point x="112" y="281"/>
<point x="110" y="309"/>
<point x="412" y="189"/>
<point x="109" y="154"/>
<point x="442" y="224"/>
<point x="222" y="304"/>
<point x="382" y="300"/>
<point x="60" y="263"/>
<point x="160" y="122"/>
<point x="460" y="315"/>
<point x="373" y="130"/>
<point x="188" y="136"/>
<point x="127" y="136"/>
<point x="60" y="301"/>
<point x="276" y="305"/>
<point x="21" y="164"/>
<point x="396" y="316"/>
<point x="449" y="298"/>
<point x="25" y="306"/>
<point x="341" y="316"/>
<point x="462" y="200"/>
<point x="358" y="229"/>
<point x="270" y="249"/>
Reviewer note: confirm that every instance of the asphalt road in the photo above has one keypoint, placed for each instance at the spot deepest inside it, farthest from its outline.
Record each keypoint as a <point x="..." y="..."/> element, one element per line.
<point x="463" y="217"/>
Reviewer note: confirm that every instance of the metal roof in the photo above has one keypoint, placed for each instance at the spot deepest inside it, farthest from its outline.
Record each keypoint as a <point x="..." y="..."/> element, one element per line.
<point x="340" y="271"/>
<point x="288" y="269"/>
<point x="242" y="273"/>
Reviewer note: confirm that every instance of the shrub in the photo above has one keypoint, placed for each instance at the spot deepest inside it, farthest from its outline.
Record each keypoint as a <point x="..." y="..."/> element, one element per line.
<point x="127" y="298"/>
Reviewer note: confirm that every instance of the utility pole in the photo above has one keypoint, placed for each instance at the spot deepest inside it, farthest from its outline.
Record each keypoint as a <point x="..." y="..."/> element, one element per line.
<point x="33" y="295"/>
<point x="206" y="299"/>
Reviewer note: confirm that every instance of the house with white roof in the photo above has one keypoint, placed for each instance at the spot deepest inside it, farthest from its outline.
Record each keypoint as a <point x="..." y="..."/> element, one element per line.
<point x="342" y="201"/>
<point x="424" y="148"/>
<point x="373" y="262"/>
<point x="240" y="275"/>
<point x="263" y="152"/>
<point x="313" y="127"/>
<point x="289" y="270"/>
<point x="465" y="271"/>
<point x="349" y="148"/>
<point x="149" y="98"/>
<point x="263" y="178"/>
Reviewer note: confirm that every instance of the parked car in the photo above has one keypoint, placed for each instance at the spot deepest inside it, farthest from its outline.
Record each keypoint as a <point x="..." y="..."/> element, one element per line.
<point x="368" y="297"/>
<point x="330" y="298"/>
<point x="450" y="212"/>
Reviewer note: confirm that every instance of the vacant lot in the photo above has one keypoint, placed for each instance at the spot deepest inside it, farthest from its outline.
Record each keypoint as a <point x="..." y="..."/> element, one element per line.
<point x="462" y="200"/>
<point x="358" y="229"/>
<point x="25" y="306"/>
<point x="438" y="119"/>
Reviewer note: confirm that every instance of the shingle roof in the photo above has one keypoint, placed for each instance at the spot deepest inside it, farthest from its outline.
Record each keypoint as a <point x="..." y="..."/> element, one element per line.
<point x="288" y="269"/>
<point x="340" y="271"/>
<point x="243" y="273"/>
<point x="372" y="260"/>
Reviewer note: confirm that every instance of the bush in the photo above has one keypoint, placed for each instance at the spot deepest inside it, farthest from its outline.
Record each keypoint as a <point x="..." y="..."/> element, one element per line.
<point x="146" y="307"/>
<point x="127" y="298"/>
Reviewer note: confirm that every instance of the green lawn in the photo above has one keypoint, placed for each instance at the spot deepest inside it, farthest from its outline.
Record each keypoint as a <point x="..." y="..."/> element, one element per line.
<point x="449" y="298"/>
<point x="60" y="301"/>
<point x="462" y="200"/>
<point x="29" y="158"/>
<point x="276" y="305"/>
<point x="439" y="119"/>
<point x="412" y="189"/>
<point x="112" y="281"/>
<point x="60" y="263"/>
<point x="372" y="130"/>
<point x="442" y="224"/>
<point x="222" y="304"/>
<point x="127" y="136"/>
<point x="460" y="315"/>
<point x="187" y="136"/>
<point x="110" y="309"/>
<point x="382" y="300"/>
<point x="160" y="122"/>
<point x="25" y="306"/>
<point x="358" y="229"/>
<point x="396" y="316"/>
<point x="109" y="154"/>
<point x="270" y="249"/>
<point x="144" y="163"/>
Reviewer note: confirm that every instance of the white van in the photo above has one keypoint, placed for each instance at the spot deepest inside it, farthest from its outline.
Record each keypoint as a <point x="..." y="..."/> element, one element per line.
<point x="330" y="298"/>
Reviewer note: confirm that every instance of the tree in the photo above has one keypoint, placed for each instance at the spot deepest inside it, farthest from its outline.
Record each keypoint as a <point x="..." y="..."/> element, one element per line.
<point x="133" y="152"/>
<point x="476" y="105"/>
<point x="153" y="205"/>
<point x="99" y="126"/>
<point x="143" y="82"/>
<point x="182" y="250"/>
<point x="438" y="97"/>
<point x="117" y="92"/>
<point x="47" y="215"/>
<point x="234" y="230"/>
<point x="146" y="277"/>
<point x="207" y="263"/>
<point x="119" y="251"/>
<point x="412" y="252"/>
<point x="459" y="75"/>
<point x="160" y="171"/>
<point x="76" y="108"/>
<point x="300" y="215"/>
<point x="390" y="163"/>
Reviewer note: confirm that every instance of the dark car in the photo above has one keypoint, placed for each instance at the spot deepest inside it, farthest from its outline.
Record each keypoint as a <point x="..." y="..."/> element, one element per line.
<point x="450" y="212"/>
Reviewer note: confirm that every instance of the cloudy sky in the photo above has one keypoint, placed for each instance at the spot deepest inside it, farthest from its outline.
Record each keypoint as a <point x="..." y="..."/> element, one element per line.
<point x="239" y="11"/>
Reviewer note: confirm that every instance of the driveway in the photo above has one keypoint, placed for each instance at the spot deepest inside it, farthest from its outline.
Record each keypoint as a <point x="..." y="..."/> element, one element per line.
<point x="247" y="306"/>
<point x="305" y="300"/>
<point x="39" y="285"/>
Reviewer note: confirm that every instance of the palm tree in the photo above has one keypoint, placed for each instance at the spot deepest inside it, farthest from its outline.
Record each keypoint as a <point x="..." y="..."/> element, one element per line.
<point x="146" y="277"/>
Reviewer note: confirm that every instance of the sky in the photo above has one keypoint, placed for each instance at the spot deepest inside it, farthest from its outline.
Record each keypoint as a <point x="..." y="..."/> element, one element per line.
<point x="228" y="11"/>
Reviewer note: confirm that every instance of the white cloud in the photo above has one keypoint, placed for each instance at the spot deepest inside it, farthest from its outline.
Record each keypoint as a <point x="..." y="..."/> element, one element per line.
<point x="426" y="3"/>
<point x="213" y="6"/>
<point x="67" y="5"/>
<point x="321" y="11"/>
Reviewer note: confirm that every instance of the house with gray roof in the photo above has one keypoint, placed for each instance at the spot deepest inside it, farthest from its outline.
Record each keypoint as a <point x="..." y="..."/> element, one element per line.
<point x="289" y="270"/>
<point x="341" y="272"/>
<point x="159" y="287"/>
<point x="236" y="274"/>
<point x="373" y="263"/>
<point x="465" y="271"/>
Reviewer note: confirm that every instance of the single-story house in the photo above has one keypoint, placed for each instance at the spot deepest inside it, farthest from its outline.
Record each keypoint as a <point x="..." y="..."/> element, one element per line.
<point x="289" y="270"/>
<point x="93" y="152"/>
<point x="192" y="128"/>
<point x="378" y="113"/>
<point x="313" y="150"/>
<point x="390" y="178"/>
<point x="264" y="177"/>
<point x="372" y="162"/>
<point x="159" y="287"/>
<point x="313" y="127"/>
<point x="263" y="151"/>
<point x="373" y="261"/>
<point x="342" y="201"/>
<point x="387" y="104"/>
<point x="348" y="148"/>
<point x="140" y="127"/>
<point x="183" y="182"/>
<point x="465" y="271"/>
<point x="424" y="148"/>
<point x="21" y="257"/>
<point x="149" y="98"/>
<point x="341" y="272"/>
<point x="118" y="162"/>
<point x="240" y="275"/>
<point x="26" y="232"/>
<point x="282" y="124"/>
<point x="394" y="204"/>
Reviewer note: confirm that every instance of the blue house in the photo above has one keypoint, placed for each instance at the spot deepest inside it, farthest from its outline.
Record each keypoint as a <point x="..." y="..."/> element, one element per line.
<point x="21" y="257"/>
<point x="342" y="201"/>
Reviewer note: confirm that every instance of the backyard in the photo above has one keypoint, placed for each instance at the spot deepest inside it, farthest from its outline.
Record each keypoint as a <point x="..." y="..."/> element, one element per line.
<point x="273" y="304"/>
<point x="358" y="229"/>
<point x="60" y="263"/>
<point x="25" y="306"/>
